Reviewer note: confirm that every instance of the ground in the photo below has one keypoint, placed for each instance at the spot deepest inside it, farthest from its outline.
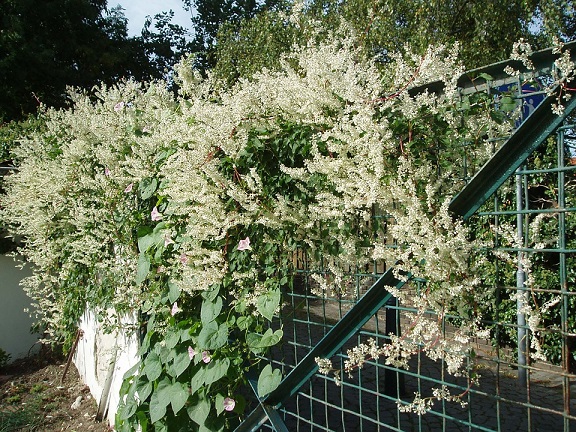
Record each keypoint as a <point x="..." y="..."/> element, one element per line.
<point x="33" y="397"/>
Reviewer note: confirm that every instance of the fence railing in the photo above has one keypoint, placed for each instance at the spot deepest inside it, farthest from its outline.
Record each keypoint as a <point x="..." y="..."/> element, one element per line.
<point x="529" y="184"/>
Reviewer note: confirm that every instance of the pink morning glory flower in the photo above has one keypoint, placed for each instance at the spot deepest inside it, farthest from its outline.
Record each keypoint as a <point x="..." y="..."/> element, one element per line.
<point x="129" y="188"/>
<point x="168" y="240"/>
<point x="118" y="107"/>
<point x="244" y="244"/>
<point x="106" y="171"/>
<point x="206" y="357"/>
<point x="175" y="309"/>
<point x="191" y="352"/>
<point x="184" y="259"/>
<point x="229" y="404"/>
<point x="155" y="214"/>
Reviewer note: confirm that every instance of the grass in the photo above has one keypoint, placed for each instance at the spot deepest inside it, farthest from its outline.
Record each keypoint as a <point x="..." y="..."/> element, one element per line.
<point x="22" y="418"/>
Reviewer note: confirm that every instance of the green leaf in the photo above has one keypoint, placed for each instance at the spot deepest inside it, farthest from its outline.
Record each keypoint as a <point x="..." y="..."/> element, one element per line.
<point x="163" y="389"/>
<point x="160" y="427"/>
<point x="486" y="76"/>
<point x="198" y="410"/>
<point x="181" y="363"/>
<point x="142" y="421"/>
<point x="268" y="303"/>
<point x="145" y="243"/>
<point x="185" y="335"/>
<point x="507" y="104"/>
<point x="178" y="396"/>
<point x="128" y="409"/>
<point x="130" y="372"/>
<point x="144" y="388"/>
<point x="164" y="353"/>
<point x="158" y="254"/>
<point x="268" y="339"/>
<point x="198" y="374"/>
<point x="268" y="380"/>
<point x="497" y="116"/>
<point x="219" y="403"/>
<point x="215" y="370"/>
<point x="143" y="230"/>
<point x="244" y="322"/>
<point x="211" y="294"/>
<point x="253" y="340"/>
<point x="210" y="310"/>
<point x="163" y="155"/>
<point x="142" y="269"/>
<point x="213" y="336"/>
<point x="173" y="292"/>
<point x="153" y="239"/>
<point x="147" y="187"/>
<point x="158" y="405"/>
<point x="152" y="366"/>
<point x="172" y="338"/>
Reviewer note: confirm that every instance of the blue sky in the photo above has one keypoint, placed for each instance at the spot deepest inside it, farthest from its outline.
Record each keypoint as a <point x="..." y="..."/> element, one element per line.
<point x="137" y="10"/>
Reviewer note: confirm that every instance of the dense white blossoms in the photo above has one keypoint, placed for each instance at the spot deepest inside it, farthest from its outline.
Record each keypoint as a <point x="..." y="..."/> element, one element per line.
<point x="134" y="170"/>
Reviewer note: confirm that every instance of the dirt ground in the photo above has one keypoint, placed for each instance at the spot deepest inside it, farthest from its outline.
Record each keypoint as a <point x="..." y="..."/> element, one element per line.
<point x="34" y="398"/>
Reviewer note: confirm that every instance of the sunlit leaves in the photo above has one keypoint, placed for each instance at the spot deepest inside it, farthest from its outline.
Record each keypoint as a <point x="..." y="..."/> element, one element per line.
<point x="268" y="380"/>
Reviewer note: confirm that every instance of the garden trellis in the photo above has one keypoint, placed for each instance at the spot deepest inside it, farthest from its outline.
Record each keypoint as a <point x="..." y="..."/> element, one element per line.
<point x="514" y="392"/>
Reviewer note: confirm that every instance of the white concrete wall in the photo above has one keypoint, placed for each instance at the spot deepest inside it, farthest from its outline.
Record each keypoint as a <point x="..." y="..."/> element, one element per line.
<point x="102" y="359"/>
<point x="15" y="324"/>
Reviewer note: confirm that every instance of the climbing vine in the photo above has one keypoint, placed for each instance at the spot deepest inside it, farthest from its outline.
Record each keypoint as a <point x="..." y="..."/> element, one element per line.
<point x="188" y="212"/>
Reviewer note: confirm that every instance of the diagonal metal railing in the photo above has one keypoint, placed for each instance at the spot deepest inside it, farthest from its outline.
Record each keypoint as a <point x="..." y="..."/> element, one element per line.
<point x="368" y="305"/>
<point x="511" y="155"/>
<point x="499" y="405"/>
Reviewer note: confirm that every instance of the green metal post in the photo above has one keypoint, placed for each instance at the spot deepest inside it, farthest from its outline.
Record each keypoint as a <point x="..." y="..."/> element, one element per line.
<point x="521" y="299"/>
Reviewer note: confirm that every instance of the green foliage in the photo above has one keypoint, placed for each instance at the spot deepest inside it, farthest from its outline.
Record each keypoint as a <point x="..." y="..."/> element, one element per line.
<point x="163" y="43"/>
<point x="13" y="132"/>
<point x="543" y="268"/>
<point x="47" y="46"/>
<point x="30" y="417"/>
<point x="208" y="16"/>
<point x="383" y="27"/>
<point x="246" y="48"/>
<point x="4" y="359"/>
<point x="190" y="210"/>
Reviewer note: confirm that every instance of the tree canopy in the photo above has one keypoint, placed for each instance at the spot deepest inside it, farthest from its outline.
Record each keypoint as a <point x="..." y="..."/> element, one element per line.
<point x="46" y="46"/>
<point x="486" y="31"/>
<point x="208" y="16"/>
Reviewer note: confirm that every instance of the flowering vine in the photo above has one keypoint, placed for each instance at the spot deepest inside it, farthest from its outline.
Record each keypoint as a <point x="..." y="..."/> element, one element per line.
<point x="190" y="210"/>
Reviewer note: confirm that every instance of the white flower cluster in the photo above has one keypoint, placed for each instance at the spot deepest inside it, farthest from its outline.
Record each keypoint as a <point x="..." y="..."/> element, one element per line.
<point x="83" y="195"/>
<point x="419" y="405"/>
<point x="521" y="50"/>
<point x="562" y="73"/>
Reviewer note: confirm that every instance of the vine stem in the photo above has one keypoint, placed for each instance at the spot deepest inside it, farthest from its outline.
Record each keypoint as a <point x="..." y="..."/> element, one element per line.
<point x="79" y="334"/>
<point x="399" y="92"/>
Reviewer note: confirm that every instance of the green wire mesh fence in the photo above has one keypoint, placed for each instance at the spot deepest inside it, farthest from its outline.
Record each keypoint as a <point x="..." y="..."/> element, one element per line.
<point x="529" y="184"/>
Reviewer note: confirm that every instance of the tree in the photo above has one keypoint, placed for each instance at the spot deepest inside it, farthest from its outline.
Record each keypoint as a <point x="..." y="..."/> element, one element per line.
<point x="46" y="46"/>
<point x="164" y="43"/>
<point x="210" y="15"/>
<point x="485" y="30"/>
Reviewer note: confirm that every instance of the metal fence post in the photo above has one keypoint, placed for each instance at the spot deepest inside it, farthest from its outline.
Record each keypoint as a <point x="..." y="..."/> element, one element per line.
<point x="393" y="381"/>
